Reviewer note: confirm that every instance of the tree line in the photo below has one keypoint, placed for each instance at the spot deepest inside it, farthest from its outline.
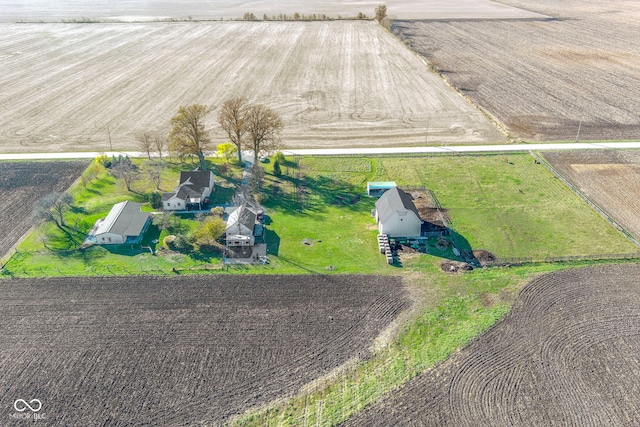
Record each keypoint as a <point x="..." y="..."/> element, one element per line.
<point x="248" y="126"/>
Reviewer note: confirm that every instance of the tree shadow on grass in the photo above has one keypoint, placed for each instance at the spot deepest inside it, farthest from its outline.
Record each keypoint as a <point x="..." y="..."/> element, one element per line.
<point x="311" y="194"/>
<point x="272" y="240"/>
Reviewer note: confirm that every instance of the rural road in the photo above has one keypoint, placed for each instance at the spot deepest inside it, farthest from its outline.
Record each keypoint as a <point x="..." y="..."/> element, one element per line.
<point x="449" y="149"/>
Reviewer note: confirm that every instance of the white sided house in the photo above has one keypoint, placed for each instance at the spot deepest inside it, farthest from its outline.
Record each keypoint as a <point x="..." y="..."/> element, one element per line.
<point x="240" y="226"/>
<point x="396" y="215"/>
<point x="193" y="192"/>
<point x="125" y="224"/>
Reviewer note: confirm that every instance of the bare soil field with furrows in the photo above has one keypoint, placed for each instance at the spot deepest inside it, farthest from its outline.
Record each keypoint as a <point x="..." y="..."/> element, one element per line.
<point x="71" y="87"/>
<point x="22" y="184"/>
<point x="544" y="79"/>
<point x="191" y="350"/>
<point x="610" y="179"/>
<point x="567" y="354"/>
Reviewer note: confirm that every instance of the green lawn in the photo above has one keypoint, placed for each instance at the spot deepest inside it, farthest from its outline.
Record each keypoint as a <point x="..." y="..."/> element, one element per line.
<point x="47" y="252"/>
<point x="509" y="205"/>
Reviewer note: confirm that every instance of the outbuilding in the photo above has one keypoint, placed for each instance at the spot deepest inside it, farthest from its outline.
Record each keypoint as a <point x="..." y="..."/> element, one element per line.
<point x="125" y="224"/>
<point x="378" y="188"/>
<point x="396" y="215"/>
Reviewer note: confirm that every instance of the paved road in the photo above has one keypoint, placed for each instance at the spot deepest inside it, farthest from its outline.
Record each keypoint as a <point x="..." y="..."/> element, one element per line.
<point x="370" y="151"/>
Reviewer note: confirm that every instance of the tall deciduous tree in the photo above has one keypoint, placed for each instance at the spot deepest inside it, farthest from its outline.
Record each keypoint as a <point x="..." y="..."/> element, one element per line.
<point x="232" y="118"/>
<point x="188" y="135"/>
<point x="263" y="128"/>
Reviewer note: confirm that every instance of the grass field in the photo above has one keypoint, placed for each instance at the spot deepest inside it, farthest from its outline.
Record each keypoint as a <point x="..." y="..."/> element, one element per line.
<point x="320" y="219"/>
<point x="509" y="205"/>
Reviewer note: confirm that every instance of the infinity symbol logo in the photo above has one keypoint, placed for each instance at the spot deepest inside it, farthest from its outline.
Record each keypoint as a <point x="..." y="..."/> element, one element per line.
<point x="37" y="405"/>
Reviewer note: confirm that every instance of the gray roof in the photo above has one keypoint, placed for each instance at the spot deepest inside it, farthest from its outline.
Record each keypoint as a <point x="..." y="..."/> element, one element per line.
<point x="198" y="180"/>
<point x="192" y="185"/>
<point x="393" y="200"/>
<point x="125" y="219"/>
<point x="241" y="221"/>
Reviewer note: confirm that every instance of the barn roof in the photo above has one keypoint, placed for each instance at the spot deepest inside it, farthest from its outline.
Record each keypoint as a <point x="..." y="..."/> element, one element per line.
<point x="241" y="221"/>
<point x="125" y="219"/>
<point x="392" y="201"/>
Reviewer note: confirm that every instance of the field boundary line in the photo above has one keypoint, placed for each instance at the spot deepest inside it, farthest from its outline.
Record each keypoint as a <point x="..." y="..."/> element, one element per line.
<point x="584" y="197"/>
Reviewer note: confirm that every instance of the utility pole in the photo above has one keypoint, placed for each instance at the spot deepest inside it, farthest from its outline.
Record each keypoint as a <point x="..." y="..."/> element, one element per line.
<point x="578" y="134"/>
<point x="109" y="135"/>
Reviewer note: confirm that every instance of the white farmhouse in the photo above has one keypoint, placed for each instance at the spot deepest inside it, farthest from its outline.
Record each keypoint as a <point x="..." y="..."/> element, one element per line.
<point x="396" y="214"/>
<point x="125" y="224"/>
<point x="240" y="226"/>
<point x="192" y="193"/>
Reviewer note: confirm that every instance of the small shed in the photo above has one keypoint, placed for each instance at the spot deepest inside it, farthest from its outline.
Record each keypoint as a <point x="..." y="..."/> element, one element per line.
<point x="396" y="215"/>
<point x="377" y="189"/>
<point x="125" y="224"/>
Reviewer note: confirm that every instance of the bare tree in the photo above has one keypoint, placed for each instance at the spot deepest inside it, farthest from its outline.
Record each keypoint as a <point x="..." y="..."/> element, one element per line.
<point x="145" y="143"/>
<point x="381" y="13"/>
<point x="232" y="118"/>
<point x="124" y="169"/>
<point x="153" y="170"/>
<point x="188" y="135"/>
<point x="51" y="208"/>
<point x="160" y="142"/>
<point x="263" y="128"/>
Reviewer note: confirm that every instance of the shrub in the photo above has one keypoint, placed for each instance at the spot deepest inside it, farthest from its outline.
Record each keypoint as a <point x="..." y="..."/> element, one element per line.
<point x="155" y="200"/>
<point x="277" y="171"/>
<point x="262" y="198"/>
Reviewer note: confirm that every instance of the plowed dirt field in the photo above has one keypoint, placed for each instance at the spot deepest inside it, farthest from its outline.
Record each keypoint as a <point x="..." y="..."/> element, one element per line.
<point x="610" y="179"/>
<point x="545" y="79"/>
<point x="22" y="185"/>
<point x="567" y="354"/>
<point x="91" y="87"/>
<point x="153" y="351"/>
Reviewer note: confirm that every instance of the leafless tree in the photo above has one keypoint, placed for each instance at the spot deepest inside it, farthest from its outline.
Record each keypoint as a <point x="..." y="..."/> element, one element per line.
<point x="160" y="142"/>
<point x="188" y="135"/>
<point x="232" y="118"/>
<point x="51" y="208"/>
<point x="381" y="13"/>
<point x="123" y="169"/>
<point x="263" y="127"/>
<point x="145" y="143"/>
<point x="153" y="170"/>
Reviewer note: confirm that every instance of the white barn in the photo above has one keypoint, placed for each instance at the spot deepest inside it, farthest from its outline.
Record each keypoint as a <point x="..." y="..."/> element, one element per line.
<point x="396" y="215"/>
<point x="125" y="223"/>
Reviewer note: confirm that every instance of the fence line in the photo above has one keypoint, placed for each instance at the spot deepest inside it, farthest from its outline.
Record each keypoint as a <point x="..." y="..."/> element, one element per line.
<point x="499" y="262"/>
<point x="584" y="197"/>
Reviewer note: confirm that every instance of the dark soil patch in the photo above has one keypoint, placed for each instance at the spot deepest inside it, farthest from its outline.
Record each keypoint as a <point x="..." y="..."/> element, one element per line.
<point x="22" y="184"/>
<point x="185" y="350"/>
<point x="484" y="257"/>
